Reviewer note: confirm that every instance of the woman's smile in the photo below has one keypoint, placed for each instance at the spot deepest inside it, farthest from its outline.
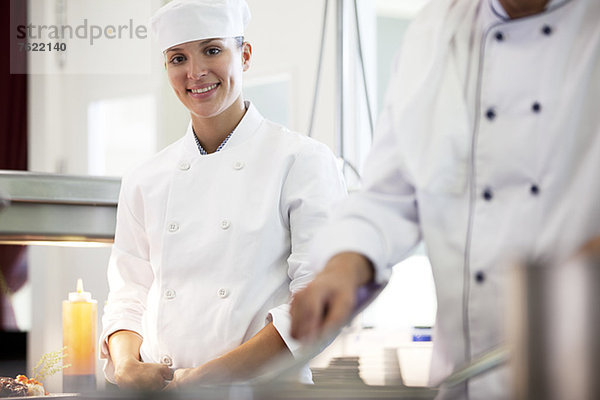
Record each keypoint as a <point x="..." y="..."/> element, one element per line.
<point x="203" y="91"/>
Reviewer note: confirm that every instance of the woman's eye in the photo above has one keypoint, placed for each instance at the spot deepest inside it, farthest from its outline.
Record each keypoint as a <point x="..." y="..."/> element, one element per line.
<point x="177" y="59"/>
<point x="213" y="51"/>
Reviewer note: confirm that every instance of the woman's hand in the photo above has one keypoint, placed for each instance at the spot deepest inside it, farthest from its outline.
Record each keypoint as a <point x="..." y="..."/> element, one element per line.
<point x="212" y="372"/>
<point x="134" y="374"/>
<point x="130" y="372"/>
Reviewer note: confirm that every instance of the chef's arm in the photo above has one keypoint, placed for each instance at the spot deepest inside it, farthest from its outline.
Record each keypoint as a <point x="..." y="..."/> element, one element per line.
<point x="130" y="371"/>
<point x="130" y="277"/>
<point x="253" y="354"/>
<point x="238" y="364"/>
<point x="124" y="345"/>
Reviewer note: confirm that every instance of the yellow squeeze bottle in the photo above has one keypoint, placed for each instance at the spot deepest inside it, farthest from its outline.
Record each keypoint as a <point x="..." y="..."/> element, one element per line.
<point x="79" y="314"/>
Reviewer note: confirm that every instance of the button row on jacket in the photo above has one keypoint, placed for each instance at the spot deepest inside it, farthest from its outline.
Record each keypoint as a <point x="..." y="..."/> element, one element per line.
<point x="171" y="294"/>
<point x="490" y="113"/>
<point x="166" y="360"/>
<point x="546" y="30"/>
<point x="184" y="165"/>
<point x="488" y="194"/>
<point x="174" y="227"/>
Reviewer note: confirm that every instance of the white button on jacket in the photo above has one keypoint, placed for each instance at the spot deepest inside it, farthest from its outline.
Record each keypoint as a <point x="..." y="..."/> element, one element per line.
<point x="225" y="224"/>
<point x="255" y="257"/>
<point x="166" y="360"/>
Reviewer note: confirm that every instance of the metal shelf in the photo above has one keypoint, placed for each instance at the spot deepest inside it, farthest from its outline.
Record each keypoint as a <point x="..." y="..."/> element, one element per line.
<point x="57" y="209"/>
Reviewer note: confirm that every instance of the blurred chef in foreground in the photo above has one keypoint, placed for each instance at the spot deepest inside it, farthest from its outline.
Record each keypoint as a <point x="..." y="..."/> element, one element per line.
<point x="488" y="149"/>
<point x="212" y="232"/>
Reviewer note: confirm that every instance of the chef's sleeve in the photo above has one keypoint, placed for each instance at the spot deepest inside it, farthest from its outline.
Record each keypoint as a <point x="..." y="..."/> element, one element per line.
<point x="381" y="220"/>
<point x="313" y="186"/>
<point x="129" y="274"/>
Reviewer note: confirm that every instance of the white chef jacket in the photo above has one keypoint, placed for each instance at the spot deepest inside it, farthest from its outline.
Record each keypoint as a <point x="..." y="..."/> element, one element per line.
<point x="488" y="149"/>
<point x="208" y="248"/>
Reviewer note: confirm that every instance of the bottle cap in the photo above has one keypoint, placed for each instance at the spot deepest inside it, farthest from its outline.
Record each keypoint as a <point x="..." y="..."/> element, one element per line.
<point x="80" y="295"/>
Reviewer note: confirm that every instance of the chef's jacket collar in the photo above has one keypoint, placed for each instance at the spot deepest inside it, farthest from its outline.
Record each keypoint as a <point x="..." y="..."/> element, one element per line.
<point x="244" y="130"/>
<point x="499" y="11"/>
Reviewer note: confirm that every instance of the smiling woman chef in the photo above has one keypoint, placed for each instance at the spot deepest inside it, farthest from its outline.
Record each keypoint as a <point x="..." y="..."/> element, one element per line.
<point x="212" y="232"/>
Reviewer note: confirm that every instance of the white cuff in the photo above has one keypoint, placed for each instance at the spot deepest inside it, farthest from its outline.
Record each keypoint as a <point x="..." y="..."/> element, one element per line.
<point x="280" y="316"/>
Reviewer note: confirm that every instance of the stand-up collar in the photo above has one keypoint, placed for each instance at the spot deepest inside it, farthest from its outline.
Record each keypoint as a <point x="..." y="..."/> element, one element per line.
<point x="249" y="124"/>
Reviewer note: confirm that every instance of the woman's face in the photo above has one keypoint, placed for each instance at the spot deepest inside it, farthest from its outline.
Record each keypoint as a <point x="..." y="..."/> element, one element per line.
<point x="206" y="75"/>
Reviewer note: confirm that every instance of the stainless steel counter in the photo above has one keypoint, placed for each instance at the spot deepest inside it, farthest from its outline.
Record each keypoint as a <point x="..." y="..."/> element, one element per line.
<point x="278" y="391"/>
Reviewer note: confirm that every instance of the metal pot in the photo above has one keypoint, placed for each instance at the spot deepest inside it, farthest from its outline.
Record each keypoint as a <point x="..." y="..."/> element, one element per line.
<point x="554" y="328"/>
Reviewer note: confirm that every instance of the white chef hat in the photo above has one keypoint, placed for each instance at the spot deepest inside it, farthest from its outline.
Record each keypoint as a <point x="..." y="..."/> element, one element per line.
<point x="182" y="21"/>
